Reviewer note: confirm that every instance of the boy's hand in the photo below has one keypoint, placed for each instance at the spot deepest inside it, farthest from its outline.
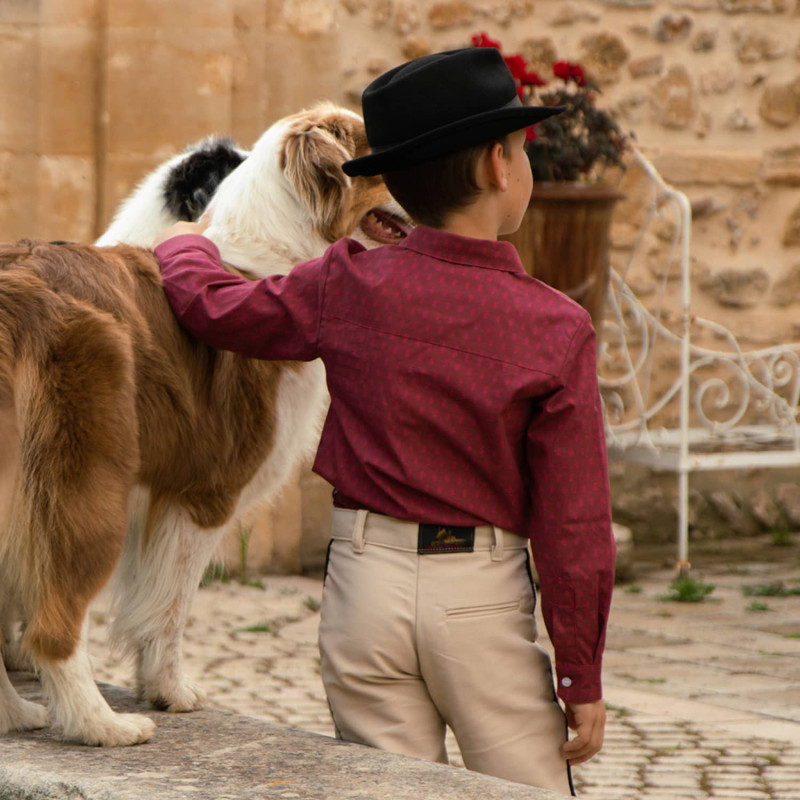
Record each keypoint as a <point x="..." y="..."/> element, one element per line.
<point x="588" y="720"/>
<point x="180" y="228"/>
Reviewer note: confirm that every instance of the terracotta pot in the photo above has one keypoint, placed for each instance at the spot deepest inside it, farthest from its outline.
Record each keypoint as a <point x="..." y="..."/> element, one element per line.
<point x="563" y="240"/>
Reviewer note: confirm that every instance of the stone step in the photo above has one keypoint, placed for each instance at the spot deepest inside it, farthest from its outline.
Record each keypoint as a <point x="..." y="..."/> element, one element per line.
<point x="215" y="755"/>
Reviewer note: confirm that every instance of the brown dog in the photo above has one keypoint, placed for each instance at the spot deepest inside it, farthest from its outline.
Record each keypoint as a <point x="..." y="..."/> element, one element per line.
<point x="113" y="418"/>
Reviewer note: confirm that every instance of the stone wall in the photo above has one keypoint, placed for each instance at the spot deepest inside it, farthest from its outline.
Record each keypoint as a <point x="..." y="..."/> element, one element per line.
<point x="95" y="93"/>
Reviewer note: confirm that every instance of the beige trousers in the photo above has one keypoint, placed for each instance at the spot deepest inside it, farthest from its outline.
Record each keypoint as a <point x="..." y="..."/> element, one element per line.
<point x="413" y="643"/>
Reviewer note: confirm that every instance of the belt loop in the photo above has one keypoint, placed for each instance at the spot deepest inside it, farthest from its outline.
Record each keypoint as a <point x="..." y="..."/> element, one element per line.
<point x="497" y="549"/>
<point x="359" y="542"/>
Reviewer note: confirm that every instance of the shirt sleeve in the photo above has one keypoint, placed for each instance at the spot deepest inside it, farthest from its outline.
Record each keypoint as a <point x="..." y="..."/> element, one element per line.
<point x="571" y="534"/>
<point x="277" y="317"/>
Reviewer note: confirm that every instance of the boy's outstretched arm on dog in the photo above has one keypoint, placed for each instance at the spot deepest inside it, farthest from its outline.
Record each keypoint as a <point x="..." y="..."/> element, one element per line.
<point x="588" y="720"/>
<point x="275" y="318"/>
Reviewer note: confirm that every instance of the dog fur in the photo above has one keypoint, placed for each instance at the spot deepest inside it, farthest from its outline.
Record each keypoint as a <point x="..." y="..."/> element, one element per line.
<point x="130" y="445"/>
<point x="179" y="189"/>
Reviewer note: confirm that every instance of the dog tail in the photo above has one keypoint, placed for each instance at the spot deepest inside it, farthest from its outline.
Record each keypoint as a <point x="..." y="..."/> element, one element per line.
<point x="68" y="456"/>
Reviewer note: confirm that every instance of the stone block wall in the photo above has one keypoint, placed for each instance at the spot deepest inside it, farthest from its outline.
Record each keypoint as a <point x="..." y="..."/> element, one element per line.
<point x="95" y="93"/>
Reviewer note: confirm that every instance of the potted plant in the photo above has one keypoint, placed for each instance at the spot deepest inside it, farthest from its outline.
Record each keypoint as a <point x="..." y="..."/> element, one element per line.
<point x="564" y="237"/>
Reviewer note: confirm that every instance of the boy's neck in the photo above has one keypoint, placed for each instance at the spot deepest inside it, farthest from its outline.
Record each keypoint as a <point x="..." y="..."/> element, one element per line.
<point x="477" y="220"/>
<point x="466" y="228"/>
<point x="481" y="219"/>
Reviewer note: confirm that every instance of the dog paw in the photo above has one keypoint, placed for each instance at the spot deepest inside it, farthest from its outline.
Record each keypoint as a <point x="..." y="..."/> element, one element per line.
<point x="23" y="716"/>
<point x="118" y="730"/>
<point x="187" y="696"/>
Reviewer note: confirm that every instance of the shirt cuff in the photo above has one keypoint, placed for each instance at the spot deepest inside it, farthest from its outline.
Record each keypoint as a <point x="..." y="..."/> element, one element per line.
<point x="579" y="683"/>
<point x="185" y="241"/>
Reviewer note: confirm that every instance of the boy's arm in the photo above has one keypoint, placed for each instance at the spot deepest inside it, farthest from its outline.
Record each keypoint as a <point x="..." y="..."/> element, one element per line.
<point x="274" y="318"/>
<point x="571" y="534"/>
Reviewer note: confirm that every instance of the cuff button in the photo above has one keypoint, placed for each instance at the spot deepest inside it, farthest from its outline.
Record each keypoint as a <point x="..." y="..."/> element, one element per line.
<point x="567" y="682"/>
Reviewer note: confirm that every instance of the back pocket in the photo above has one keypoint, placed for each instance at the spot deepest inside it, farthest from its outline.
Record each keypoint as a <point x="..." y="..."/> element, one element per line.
<point x="491" y="609"/>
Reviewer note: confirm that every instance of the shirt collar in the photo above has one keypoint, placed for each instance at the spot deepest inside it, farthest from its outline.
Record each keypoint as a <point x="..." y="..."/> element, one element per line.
<point x="464" y="250"/>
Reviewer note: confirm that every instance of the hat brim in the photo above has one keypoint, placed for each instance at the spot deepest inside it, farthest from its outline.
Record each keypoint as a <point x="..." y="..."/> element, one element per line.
<point x="449" y="139"/>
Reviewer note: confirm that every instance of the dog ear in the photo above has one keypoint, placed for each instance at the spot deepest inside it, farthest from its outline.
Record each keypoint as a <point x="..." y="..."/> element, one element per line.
<point x="312" y="163"/>
<point x="191" y="184"/>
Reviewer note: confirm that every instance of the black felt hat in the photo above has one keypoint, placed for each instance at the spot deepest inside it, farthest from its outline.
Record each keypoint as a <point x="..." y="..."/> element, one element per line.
<point x="439" y="104"/>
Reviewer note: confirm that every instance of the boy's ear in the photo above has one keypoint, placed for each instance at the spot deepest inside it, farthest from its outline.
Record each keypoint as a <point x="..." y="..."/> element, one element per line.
<point x="312" y="161"/>
<point x="494" y="165"/>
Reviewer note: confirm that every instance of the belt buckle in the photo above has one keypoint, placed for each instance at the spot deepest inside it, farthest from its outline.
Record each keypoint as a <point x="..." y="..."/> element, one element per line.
<point x="445" y="539"/>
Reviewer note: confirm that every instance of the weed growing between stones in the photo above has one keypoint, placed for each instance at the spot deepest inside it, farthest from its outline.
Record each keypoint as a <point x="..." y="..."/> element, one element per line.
<point x="627" y="676"/>
<point x="244" y="544"/>
<point x="773" y="589"/>
<point x="215" y="571"/>
<point x="311" y="603"/>
<point x="688" y="589"/>
<point x="260" y="627"/>
<point x="781" y="536"/>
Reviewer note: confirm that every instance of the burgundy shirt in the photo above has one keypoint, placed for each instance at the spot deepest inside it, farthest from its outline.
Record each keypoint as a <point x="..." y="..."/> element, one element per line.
<point x="462" y="390"/>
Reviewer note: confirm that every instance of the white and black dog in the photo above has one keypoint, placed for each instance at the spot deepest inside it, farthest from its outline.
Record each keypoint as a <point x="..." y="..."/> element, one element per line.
<point x="179" y="189"/>
<point x="128" y="445"/>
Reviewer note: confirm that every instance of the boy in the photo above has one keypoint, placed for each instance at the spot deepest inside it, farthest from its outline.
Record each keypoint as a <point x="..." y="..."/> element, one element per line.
<point x="464" y="422"/>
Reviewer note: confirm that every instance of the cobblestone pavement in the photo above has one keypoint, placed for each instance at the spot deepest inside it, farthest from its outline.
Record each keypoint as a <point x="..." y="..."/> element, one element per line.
<point x="703" y="698"/>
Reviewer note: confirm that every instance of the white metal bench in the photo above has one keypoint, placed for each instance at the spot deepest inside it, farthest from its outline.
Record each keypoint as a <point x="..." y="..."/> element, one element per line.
<point x="679" y="392"/>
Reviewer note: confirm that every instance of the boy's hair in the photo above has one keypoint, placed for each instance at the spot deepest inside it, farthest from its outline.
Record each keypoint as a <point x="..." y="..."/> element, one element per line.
<point x="431" y="191"/>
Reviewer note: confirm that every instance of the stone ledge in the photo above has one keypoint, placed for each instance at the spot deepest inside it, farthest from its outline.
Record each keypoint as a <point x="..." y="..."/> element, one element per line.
<point x="216" y="755"/>
<point x="698" y="166"/>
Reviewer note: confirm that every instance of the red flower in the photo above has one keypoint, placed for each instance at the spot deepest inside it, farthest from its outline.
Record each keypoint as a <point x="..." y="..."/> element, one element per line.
<point x="483" y="40"/>
<point x="531" y="79"/>
<point x="561" y="70"/>
<point x="517" y="65"/>
<point x="530" y="133"/>
<point x="569" y="72"/>
<point x="577" y="74"/>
